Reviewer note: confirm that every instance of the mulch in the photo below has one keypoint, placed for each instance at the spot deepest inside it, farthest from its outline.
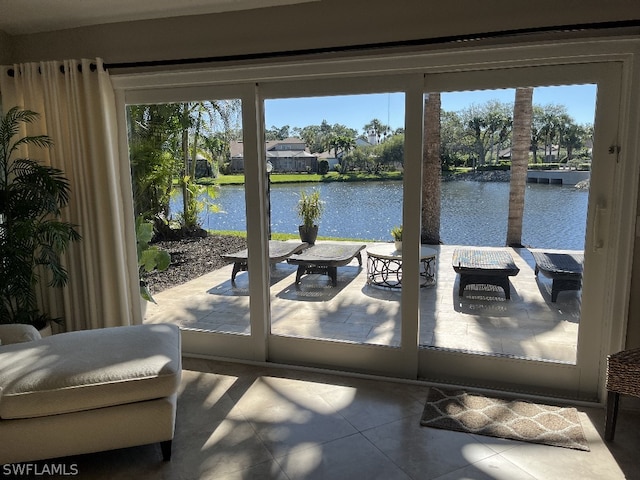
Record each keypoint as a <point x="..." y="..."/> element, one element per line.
<point x="192" y="258"/>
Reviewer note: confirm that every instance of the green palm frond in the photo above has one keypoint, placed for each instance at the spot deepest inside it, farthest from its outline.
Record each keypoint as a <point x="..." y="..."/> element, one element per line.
<point x="32" y="235"/>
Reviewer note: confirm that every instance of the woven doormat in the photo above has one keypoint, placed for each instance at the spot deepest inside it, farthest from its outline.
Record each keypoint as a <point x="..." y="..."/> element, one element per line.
<point x="504" y="418"/>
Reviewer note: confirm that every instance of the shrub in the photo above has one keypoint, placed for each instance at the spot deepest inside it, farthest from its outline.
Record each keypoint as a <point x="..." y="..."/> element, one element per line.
<point x="544" y="166"/>
<point x="323" y="167"/>
<point x="502" y="166"/>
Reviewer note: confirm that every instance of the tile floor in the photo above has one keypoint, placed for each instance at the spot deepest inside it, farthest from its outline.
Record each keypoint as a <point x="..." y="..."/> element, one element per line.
<point x="238" y="421"/>
<point x="529" y="325"/>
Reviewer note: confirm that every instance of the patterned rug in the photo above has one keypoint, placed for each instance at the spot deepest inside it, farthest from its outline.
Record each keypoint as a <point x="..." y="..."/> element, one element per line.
<point x="505" y="418"/>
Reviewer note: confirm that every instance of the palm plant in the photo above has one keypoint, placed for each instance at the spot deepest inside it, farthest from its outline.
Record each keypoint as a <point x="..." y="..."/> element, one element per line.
<point x="149" y="257"/>
<point x="309" y="209"/>
<point x="32" y="236"/>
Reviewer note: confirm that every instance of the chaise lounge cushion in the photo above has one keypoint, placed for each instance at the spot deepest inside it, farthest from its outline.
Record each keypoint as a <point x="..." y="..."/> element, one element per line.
<point x="90" y="369"/>
<point x="17" y="333"/>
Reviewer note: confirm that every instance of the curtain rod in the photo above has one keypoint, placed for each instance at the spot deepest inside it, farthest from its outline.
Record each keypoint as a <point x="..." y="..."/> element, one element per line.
<point x="92" y="66"/>
<point x="382" y="45"/>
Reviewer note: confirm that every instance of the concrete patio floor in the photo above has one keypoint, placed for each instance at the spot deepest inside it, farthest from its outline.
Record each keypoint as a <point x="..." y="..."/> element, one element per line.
<point x="528" y="325"/>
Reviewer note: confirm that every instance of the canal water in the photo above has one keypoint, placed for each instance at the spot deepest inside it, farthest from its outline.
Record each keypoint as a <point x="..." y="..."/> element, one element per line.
<point x="473" y="213"/>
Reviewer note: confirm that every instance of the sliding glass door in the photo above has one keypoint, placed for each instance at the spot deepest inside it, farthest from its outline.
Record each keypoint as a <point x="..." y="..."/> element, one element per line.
<point x="543" y="326"/>
<point x="427" y="144"/>
<point x="188" y="173"/>
<point x="349" y="143"/>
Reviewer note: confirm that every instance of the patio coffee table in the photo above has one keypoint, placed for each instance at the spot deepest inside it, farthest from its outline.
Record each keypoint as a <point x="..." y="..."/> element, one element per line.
<point x="384" y="266"/>
<point x="564" y="268"/>
<point x="278" y="252"/>
<point x="325" y="258"/>
<point x="485" y="267"/>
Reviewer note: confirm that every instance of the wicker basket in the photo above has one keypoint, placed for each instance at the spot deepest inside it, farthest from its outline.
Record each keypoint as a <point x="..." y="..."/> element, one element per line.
<point x="623" y="372"/>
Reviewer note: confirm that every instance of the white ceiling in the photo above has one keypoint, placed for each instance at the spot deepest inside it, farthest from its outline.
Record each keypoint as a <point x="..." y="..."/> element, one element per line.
<point x="18" y="17"/>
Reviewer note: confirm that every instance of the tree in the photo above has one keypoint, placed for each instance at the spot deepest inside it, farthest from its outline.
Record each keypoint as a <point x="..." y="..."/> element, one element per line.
<point x="572" y="135"/>
<point x="341" y="144"/>
<point x="553" y="118"/>
<point x="487" y="125"/>
<point x="217" y="150"/>
<point x="453" y="148"/>
<point x="522" y="116"/>
<point x="319" y="138"/>
<point x="431" y="172"/>
<point x="537" y="124"/>
<point x="152" y="145"/>
<point x="391" y="152"/>
<point x="360" y="158"/>
<point x="311" y="136"/>
<point x="378" y="129"/>
<point x="499" y="124"/>
<point x="275" y="133"/>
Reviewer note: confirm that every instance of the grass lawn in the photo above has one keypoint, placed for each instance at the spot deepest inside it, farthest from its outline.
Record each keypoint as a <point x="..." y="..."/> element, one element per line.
<point x="284" y="236"/>
<point x="308" y="178"/>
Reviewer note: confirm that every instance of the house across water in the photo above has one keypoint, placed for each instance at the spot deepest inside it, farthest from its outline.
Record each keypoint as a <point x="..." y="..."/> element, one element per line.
<point x="288" y="155"/>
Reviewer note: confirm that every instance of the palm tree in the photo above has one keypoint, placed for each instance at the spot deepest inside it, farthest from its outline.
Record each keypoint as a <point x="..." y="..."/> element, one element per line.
<point x="431" y="172"/>
<point x="341" y="144"/>
<point x="477" y="128"/>
<point x="522" y="115"/>
<point x="573" y="138"/>
<point x="153" y="167"/>
<point x="378" y="129"/>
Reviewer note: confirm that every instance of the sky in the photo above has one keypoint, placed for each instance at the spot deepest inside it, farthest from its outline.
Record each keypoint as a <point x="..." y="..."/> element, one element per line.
<point x="355" y="111"/>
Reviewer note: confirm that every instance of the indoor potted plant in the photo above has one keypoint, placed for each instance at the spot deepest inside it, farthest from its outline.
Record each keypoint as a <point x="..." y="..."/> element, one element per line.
<point x="396" y="233"/>
<point x="310" y="209"/>
<point x="149" y="257"/>
<point x="33" y="237"/>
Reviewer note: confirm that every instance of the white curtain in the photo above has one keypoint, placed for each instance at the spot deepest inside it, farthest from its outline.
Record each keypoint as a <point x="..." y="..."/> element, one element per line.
<point x="76" y="106"/>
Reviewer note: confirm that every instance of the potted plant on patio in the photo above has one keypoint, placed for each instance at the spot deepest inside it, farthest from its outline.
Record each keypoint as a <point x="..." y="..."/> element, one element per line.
<point x="149" y="257"/>
<point x="33" y="237"/>
<point x="396" y="233"/>
<point x="310" y="209"/>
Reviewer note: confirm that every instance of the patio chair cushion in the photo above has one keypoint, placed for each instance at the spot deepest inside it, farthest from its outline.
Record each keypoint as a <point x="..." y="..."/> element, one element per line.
<point x="484" y="266"/>
<point x="564" y="268"/>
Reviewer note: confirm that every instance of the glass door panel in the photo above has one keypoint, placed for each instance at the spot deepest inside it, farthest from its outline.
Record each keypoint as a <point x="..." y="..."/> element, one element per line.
<point x="541" y="319"/>
<point x="348" y="150"/>
<point x="197" y="209"/>
<point x="533" y="320"/>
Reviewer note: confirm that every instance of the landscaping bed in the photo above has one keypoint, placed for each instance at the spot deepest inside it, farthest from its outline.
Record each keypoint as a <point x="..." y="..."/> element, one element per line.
<point x="192" y="258"/>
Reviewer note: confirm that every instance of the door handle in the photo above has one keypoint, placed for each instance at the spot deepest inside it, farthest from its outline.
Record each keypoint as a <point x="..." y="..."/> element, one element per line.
<point x="597" y="243"/>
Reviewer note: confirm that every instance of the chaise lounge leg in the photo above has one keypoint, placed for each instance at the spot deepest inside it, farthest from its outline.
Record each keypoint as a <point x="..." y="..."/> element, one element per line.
<point x="166" y="450"/>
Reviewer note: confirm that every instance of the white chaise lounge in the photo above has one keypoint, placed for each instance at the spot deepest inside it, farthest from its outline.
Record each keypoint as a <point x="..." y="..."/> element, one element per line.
<point x="87" y="391"/>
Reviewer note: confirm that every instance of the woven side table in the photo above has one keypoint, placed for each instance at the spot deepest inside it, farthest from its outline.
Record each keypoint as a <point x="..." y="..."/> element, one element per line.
<point x="623" y="376"/>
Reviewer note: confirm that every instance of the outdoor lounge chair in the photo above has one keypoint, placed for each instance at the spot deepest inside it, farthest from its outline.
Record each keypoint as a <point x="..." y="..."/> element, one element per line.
<point x="278" y="252"/>
<point x="325" y="258"/>
<point x="485" y="267"/>
<point x="564" y="268"/>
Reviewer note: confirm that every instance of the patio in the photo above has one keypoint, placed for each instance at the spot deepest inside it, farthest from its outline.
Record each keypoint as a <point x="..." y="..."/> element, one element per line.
<point x="528" y="325"/>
